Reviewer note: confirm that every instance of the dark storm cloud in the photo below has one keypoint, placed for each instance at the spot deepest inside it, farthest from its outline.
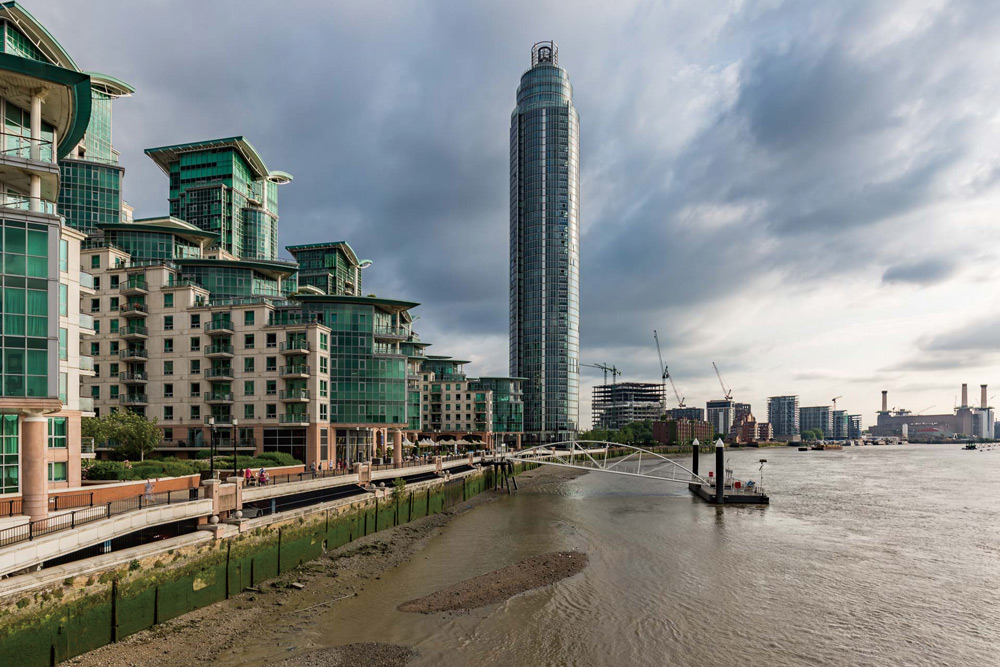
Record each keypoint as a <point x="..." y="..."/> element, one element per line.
<point x="925" y="272"/>
<point x="719" y="153"/>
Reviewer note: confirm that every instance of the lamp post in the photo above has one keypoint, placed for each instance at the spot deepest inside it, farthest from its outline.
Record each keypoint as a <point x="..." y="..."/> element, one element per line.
<point x="211" y="446"/>
<point x="235" y="423"/>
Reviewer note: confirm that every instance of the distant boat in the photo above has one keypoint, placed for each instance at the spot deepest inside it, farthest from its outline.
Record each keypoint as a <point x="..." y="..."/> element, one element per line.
<point x="971" y="445"/>
<point x="803" y="449"/>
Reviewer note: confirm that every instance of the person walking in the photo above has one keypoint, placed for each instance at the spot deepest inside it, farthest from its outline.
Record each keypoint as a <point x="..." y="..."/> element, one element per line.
<point x="148" y="492"/>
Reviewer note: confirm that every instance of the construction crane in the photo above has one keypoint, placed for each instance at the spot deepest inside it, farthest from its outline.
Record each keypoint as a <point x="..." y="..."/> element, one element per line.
<point x="834" y="399"/>
<point x="728" y="393"/>
<point x="607" y="369"/>
<point x="666" y="374"/>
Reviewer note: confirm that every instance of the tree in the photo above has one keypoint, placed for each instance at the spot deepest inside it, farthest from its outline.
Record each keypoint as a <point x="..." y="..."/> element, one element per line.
<point x="133" y="435"/>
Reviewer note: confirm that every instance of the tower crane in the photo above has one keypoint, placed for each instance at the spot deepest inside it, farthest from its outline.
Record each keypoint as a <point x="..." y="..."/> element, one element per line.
<point x="834" y="399"/>
<point x="924" y="410"/>
<point x="728" y="393"/>
<point x="607" y="369"/>
<point x="666" y="374"/>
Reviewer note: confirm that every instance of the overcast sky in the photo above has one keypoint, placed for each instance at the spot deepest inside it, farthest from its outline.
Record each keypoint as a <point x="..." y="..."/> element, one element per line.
<point x="805" y="193"/>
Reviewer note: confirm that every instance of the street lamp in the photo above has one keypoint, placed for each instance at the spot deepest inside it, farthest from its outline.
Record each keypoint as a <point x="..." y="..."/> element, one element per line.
<point x="211" y="446"/>
<point x="235" y="423"/>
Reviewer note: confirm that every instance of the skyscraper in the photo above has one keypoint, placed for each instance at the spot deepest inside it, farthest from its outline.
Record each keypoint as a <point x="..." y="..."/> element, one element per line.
<point x="545" y="247"/>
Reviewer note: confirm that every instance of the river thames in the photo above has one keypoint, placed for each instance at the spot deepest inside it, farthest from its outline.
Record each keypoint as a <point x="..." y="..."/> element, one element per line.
<point x="867" y="556"/>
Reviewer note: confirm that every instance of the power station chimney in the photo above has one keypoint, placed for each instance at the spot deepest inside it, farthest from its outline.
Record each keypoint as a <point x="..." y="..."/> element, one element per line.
<point x="965" y="395"/>
<point x="885" y="400"/>
<point x="984" y="402"/>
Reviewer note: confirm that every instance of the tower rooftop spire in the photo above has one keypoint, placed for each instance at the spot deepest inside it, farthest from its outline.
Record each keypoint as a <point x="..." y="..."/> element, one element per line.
<point x="545" y="52"/>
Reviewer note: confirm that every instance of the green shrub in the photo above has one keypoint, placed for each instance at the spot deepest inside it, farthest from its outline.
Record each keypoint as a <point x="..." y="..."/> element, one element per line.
<point x="279" y="458"/>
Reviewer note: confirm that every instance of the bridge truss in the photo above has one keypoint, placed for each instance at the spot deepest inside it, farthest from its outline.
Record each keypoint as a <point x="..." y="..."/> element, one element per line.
<point x="592" y="455"/>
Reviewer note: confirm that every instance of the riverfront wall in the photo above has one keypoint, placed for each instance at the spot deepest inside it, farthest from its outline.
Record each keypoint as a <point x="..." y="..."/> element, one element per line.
<point x="54" y="622"/>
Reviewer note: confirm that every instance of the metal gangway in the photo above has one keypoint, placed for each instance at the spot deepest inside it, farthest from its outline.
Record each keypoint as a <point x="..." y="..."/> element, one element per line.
<point x="593" y="455"/>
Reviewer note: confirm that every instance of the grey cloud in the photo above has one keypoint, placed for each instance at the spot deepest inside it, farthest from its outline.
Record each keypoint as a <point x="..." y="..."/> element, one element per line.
<point x="924" y="272"/>
<point x="982" y="336"/>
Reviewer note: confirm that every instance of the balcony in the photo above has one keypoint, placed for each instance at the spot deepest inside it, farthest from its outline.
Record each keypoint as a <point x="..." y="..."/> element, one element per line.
<point x="87" y="448"/>
<point x="219" y="373"/>
<point x="87" y="282"/>
<point x="295" y="347"/>
<point x="219" y="328"/>
<point x="219" y="420"/>
<point x="86" y="324"/>
<point x="133" y="310"/>
<point x="133" y="399"/>
<point x="390" y="333"/>
<point x="218" y="398"/>
<point x="294" y="395"/>
<point x="87" y="405"/>
<point x="295" y="371"/>
<point x="86" y="365"/>
<point x="219" y="350"/>
<point x="133" y="378"/>
<point x="134" y="287"/>
<point x="133" y="354"/>
<point x="295" y="418"/>
<point x="181" y="282"/>
<point x="134" y="333"/>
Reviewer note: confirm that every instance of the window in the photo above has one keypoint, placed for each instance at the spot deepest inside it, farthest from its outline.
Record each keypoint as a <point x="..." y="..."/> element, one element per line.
<point x="168" y="345"/>
<point x="248" y="364"/>
<point x="95" y="392"/>
<point x="195" y="412"/>
<point x="324" y="444"/>
<point x="113" y="347"/>
<point x="95" y="261"/>
<point x="114" y="326"/>
<point x="63" y="255"/>
<point x="57" y="471"/>
<point x="168" y="390"/>
<point x="196" y="321"/>
<point x="248" y="411"/>
<point x="168" y="322"/>
<point x="168" y="413"/>
<point x="97" y="283"/>
<point x="248" y="388"/>
<point x="195" y="366"/>
<point x="324" y="342"/>
<point x="248" y="341"/>
<point x="271" y="411"/>
<point x="323" y="388"/>
<point x="97" y="326"/>
<point x="168" y="368"/>
<point x="114" y="391"/>
<point x="323" y="365"/>
<point x="271" y="387"/>
<point x="248" y="318"/>
<point x="113" y="302"/>
<point x="115" y="281"/>
<point x="195" y="389"/>
<point x="271" y="363"/>
<point x="95" y="305"/>
<point x="63" y="299"/>
<point x="168" y="434"/>
<point x="272" y="340"/>
<point x="168" y="300"/>
<point x="112" y="370"/>
<point x="323" y="410"/>
<point x="63" y="344"/>
<point x="57" y="432"/>
<point x="195" y="343"/>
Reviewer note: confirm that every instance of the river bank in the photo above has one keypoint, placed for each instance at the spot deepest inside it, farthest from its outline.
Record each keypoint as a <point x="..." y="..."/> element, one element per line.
<point x="275" y="614"/>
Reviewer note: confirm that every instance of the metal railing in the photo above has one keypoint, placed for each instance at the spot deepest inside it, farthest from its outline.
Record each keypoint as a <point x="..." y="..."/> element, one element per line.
<point x="296" y="369"/>
<point x="307" y="474"/>
<point x="219" y="420"/>
<point x="86" y="321"/>
<point x="133" y="283"/>
<point x="219" y="325"/>
<point x="134" y="331"/>
<point x="86" y="363"/>
<point x="23" y="203"/>
<point x="87" y="446"/>
<point x="292" y="394"/>
<point x="219" y="373"/>
<point x="218" y="396"/>
<point x="393" y="332"/>
<point x="133" y="308"/>
<point x="35" y="529"/>
<point x="137" y="353"/>
<point x="86" y="404"/>
<point x="133" y="377"/>
<point x="16" y="145"/>
<point x="133" y="399"/>
<point x="182" y="282"/>
<point x="294" y="345"/>
<point x="86" y="280"/>
<point x="294" y="418"/>
<point x="219" y="349"/>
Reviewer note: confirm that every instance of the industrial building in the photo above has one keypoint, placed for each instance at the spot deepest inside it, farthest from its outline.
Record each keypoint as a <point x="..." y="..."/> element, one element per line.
<point x="966" y="421"/>
<point x="617" y="405"/>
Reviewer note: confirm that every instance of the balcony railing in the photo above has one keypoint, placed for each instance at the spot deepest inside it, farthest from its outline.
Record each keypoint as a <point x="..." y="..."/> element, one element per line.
<point x="133" y="353"/>
<point x="86" y="404"/>
<point x="127" y="308"/>
<point x="219" y="373"/>
<point x="218" y="349"/>
<point x="295" y="346"/>
<point x="390" y="332"/>
<point x="218" y="325"/>
<point x="219" y="420"/>
<point x="296" y="369"/>
<point x="133" y="284"/>
<point x="295" y="418"/>
<point x="86" y="445"/>
<point x="86" y="363"/>
<point x="133" y="331"/>
<point x="86" y="321"/>
<point x="181" y="282"/>
<point x="294" y="395"/>
<point x="23" y="203"/>
<point x="133" y="377"/>
<point x="86" y="280"/>
<point x="218" y="397"/>
<point x="133" y="399"/>
<point x="16" y="145"/>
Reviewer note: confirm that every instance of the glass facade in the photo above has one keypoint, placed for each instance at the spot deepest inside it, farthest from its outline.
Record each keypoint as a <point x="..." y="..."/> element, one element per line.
<point x="508" y="403"/>
<point x="545" y="247"/>
<point x="9" y="458"/>
<point x="328" y="267"/>
<point x="25" y="318"/>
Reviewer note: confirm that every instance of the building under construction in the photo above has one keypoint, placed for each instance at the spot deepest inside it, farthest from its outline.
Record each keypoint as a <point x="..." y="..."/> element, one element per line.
<point x="966" y="421"/>
<point x="616" y="405"/>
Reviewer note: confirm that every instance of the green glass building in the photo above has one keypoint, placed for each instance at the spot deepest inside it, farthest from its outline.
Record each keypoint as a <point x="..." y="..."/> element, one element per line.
<point x="332" y="268"/>
<point x="508" y="402"/>
<point x="224" y="187"/>
<point x="545" y="248"/>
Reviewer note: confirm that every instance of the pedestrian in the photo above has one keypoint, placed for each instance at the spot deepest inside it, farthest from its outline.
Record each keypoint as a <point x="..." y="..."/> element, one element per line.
<point x="262" y="476"/>
<point x="330" y="464"/>
<point x="148" y="492"/>
<point x="247" y="476"/>
<point x="312" y="469"/>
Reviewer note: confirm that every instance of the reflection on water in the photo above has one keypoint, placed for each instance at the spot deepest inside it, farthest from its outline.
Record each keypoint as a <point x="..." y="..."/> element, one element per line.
<point x="870" y="556"/>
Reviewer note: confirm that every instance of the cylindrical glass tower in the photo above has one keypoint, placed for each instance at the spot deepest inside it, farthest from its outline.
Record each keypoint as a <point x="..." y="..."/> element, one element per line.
<point x="545" y="248"/>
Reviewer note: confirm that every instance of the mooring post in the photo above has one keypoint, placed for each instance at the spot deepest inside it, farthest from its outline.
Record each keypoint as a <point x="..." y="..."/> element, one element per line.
<point x="695" y="447"/>
<point x="720" y="472"/>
